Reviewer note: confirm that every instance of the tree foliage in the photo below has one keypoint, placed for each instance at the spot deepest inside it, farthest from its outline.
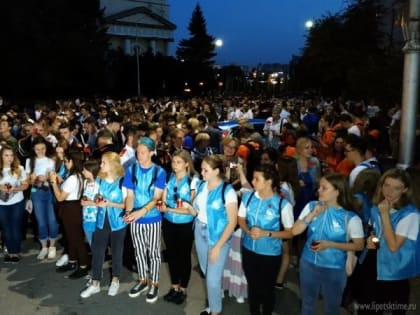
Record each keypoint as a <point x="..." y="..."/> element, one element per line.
<point x="197" y="52"/>
<point x="347" y="55"/>
<point x="52" y="47"/>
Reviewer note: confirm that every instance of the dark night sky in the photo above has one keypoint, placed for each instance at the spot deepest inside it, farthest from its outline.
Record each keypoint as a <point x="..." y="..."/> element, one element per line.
<point x="253" y="31"/>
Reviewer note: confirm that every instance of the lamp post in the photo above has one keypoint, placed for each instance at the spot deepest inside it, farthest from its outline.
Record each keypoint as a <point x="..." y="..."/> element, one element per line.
<point x="137" y="48"/>
<point x="411" y="31"/>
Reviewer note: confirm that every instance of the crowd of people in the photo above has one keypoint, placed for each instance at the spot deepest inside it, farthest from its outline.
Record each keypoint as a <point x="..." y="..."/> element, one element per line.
<point x="316" y="187"/>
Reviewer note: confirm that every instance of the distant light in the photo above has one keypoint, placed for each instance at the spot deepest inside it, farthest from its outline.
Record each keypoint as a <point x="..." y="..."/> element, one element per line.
<point x="200" y="83"/>
<point x="309" y="24"/>
<point x="218" y="42"/>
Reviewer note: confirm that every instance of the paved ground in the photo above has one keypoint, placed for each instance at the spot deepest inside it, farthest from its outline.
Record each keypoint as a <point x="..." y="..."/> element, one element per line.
<point x="33" y="287"/>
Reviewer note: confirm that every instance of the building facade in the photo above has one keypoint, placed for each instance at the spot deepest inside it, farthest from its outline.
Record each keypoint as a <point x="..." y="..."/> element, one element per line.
<point x="142" y="25"/>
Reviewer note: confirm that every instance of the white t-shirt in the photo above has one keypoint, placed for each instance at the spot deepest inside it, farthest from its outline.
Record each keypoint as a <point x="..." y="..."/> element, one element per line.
<point x="7" y="178"/>
<point x="42" y="166"/>
<point x="230" y="197"/>
<point x="409" y="226"/>
<point x="354" y="225"/>
<point x="287" y="219"/>
<point x="72" y="186"/>
<point x="354" y="130"/>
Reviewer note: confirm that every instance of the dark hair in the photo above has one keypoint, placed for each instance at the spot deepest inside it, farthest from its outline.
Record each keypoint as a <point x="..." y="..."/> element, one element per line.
<point x="272" y="154"/>
<point x="344" y="198"/>
<point x="216" y="161"/>
<point x="269" y="173"/>
<point x="357" y="143"/>
<point x="76" y="156"/>
<point x="288" y="172"/>
<point x="366" y="182"/>
<point x="92" y="166"/>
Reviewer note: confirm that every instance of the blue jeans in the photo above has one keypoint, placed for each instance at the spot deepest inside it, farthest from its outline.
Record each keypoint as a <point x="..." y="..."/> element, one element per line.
<point x="42" y="201"/>
<point x="214" y="271"/>
<point x="330" y="281"/>
<point x="11" y="219"/>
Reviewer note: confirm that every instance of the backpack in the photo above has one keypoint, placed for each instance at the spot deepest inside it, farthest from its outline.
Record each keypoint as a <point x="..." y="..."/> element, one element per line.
<point x="223" y="189"/>
<point x="134" y="178"/>
<point x="253" y="159"/>
<point x="372" y="165"/>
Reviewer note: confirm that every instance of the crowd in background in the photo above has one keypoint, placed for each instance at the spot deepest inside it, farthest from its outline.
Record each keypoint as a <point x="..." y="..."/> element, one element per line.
<point x="314" y="186"/>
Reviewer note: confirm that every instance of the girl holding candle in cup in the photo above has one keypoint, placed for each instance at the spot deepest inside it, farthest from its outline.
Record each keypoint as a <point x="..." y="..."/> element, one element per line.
<point x="332" y="231"/>
<point x="13" y="181"/>
<point x="178" y="223"/>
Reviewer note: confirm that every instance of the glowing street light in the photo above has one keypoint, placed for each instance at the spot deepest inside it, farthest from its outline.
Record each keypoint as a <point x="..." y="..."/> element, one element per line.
<point x="218" y="42"/>
<point x="309" y="24"/>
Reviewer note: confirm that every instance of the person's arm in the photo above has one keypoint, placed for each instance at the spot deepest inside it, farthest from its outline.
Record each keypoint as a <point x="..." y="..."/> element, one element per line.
<point x="392" y="240"/>
<point x="60" y="195"/>
<point x="306" y="217"/>
<point x="232" y="214"/>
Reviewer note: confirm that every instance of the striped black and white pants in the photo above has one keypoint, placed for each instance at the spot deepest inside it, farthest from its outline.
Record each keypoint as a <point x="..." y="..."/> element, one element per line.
<point x="147" y="244"/>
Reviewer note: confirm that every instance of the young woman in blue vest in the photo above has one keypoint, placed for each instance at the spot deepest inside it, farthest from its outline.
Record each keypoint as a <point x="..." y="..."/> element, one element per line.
<point x="145" y="182"/>
<point x="214" y="226"/>
<point x="332" y="231"/>
<point x="396" y="223"/>
<point x="177" y="224"/>
<point x="110" y="225"/>
<point x="266" y="219"/>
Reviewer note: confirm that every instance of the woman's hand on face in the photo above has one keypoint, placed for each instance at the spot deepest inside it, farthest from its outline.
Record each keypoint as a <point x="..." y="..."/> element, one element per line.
<point x="384" y="206"/>
<point x="214" y="254"/>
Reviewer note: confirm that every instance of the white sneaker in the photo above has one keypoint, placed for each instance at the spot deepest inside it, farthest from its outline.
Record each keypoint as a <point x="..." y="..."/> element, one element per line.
<point x="63" y="260"/>
<point x="51" y="252"/>
<point x="43" y="253"/>
<point x="113" y="288"/>
<point x="240" y="300"/>
<point x="90" y="290"/>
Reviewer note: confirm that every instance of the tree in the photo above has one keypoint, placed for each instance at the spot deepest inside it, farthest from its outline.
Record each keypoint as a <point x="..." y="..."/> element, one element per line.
<point x="347" y="55"/>
<point x="52" y="48"/>
<point x="196" y="53"/>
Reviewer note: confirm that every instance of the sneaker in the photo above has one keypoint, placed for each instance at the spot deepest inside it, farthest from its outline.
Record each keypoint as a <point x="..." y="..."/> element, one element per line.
<point x="51" y="252"/>
<point x="78" y="273"/>
<point x="152" y="294"/>
<point x="43" y="253"/>
<point x="66" y="267"/>
<point x="280" y="285"/>
<point x="180" y="297"/>
<point x="240" y="300"/>
<point x="138" y="289"/>
<point x="14" y="259"/>
<point x="113" y="288"/>
<point x="63" y="260"/>
<point x="90" y="290"/>
<point x="169" y="297"/>
<point x="206" y="311"/>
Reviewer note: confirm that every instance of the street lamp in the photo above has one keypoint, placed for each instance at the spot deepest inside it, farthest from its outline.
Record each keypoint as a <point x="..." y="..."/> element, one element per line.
<point x="137" y="48"/>
<point x="309" y="24"/>
<point x="218" y="42"/>
<point x="411" y="31"/>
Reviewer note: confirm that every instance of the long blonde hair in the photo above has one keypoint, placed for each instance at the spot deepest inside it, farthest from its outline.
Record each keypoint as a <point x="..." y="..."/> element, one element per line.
<point x="114" y="164"/>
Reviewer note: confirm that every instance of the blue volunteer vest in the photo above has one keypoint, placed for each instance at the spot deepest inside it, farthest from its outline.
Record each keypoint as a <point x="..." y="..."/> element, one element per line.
<point x="112" y="192"/>
<point x="183" y="192"/>
<point x="217" y="218"/>
<point x="265" y="214"/>
<point x="405" y="262"/>
<point x="329" y="225"/>
<point x="144" y="192"/>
